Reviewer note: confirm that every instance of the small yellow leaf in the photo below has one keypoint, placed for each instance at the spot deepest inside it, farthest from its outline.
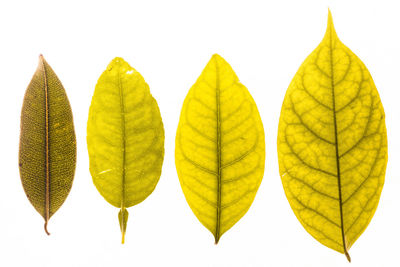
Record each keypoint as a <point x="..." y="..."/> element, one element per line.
<point x="125" y="138"/>
<point x="219" y="148"/>
<point x="47" y="151"/>
<point x="332" y="144"/>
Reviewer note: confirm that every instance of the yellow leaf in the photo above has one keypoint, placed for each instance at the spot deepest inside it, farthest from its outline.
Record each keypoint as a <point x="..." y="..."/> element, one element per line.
<point x="47" y="151"/>
<point x="125" y="137"/>
<point x="219" y="148"/>
<point x="332" y="144"/>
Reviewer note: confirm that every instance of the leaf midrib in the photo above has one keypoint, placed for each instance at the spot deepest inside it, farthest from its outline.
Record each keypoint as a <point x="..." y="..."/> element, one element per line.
<point x="122" y="107"/>
<point x="336" y="143"/>
<point x="47" y="160"/>
<point x="219" y="165"/>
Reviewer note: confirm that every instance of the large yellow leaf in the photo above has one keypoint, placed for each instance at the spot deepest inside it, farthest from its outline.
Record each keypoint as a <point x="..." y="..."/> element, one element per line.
<point x="219" y="148"/>
<point x="47" y="151"/>
<point x="332" y="144"/>
<point x="125" y="137"/>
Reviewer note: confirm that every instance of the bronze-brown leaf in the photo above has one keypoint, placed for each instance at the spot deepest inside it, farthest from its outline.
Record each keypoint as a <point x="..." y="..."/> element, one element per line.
<point x="47" y="152"/>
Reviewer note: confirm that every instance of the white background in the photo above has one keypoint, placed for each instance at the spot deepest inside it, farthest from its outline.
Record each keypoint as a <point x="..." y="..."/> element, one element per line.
<point x="169" y="42"/>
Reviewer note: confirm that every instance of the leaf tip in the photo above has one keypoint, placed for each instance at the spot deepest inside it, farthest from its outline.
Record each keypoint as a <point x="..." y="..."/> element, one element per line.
<point x="329" y="13"/>
<point x="215" y="56"/>
<point x="41" y="60"/>
<point x="330" y="20"/>
<point x="216" y="60"/>
<point x="118" y="59"/>
<point x="330" y="30"/>
<point x="118" y="62"/>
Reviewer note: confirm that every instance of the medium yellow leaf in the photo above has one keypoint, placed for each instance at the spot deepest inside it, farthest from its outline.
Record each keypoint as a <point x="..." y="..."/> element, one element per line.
<point x="332" y="144"/>
<point x="219" y="148"/>
<point x="47" y="152"/>
<point x="125" y="138"/>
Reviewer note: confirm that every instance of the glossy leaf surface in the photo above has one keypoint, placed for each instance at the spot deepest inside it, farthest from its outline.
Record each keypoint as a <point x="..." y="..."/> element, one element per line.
<point x="125" y="137"/>
<point x="332" y="144"/>
<point x="47" y="153"/>
<point x="219" y="148"/>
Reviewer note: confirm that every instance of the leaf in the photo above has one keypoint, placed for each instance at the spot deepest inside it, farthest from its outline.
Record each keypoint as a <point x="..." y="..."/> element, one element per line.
<point x="47" y="152"/>
<point x="125" y="138"/>
<point x="332" y="144"/>
<point x="219" y="148"/>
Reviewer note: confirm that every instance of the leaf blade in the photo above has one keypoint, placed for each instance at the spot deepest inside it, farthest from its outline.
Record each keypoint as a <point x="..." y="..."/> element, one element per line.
<point x="330" y="110"/>
<point x="47" y="154"/>
<point x="219" y="131"/>
<point x="125" y="138"/>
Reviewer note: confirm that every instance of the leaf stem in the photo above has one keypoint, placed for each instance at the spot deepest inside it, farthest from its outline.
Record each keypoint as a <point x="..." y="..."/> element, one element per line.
<point x="45" y="228"/>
